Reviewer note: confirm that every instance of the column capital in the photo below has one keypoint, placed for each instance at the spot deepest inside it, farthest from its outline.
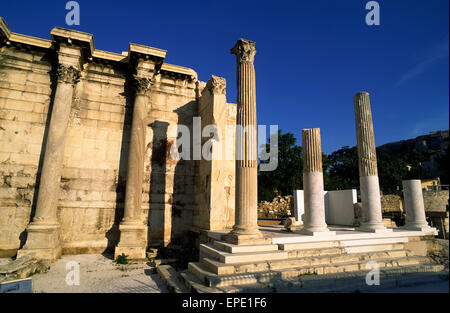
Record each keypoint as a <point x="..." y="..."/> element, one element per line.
<point x="141" y="84"/>
<point x="217" y="85"/>
<point x="244" y="50"/>
<point x="67" y="74"/>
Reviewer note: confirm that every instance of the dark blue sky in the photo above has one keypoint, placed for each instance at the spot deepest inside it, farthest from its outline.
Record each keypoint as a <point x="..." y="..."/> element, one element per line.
<point x="312" y="56"/>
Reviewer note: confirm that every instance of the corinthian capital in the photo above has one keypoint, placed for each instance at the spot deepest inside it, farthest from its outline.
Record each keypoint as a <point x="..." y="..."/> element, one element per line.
<point x="217" y="85"/>
<point x="141" y="84"/>
<point x="244" y="50"/>
<point x="67" y="74"/>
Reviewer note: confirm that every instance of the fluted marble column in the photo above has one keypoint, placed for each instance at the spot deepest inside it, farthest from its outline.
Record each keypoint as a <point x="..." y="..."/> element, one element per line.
<point x="367" y="162"/>
<point x="132" y="230"/>
<point x="245" y="229"/>
<point x="414" y="206"/>
<point x="43" y="231"/>
<point x="314" y="222"/>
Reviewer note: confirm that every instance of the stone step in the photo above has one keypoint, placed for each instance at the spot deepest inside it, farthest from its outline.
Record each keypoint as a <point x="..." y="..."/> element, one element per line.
<point x="340" y="243"/>
<point x="231" y="248"/>
<point x="376" y="241"/>
<point x="373" y="248"/>
<point x="171" y="278"/>
<point x="308" y="245"/>
<point x="194" y="285"/>
<point x="213" y="280"/>
<point x="295" y="254"/>
<point x="349" y="282"/>
<point x="353" y="235"/>
<point x="207" y="250"/>
<point x="229" y="269"/>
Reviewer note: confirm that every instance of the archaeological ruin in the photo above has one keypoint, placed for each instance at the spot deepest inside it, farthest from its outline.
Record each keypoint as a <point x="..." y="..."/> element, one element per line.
<point x="86" y="134"/>
<point x="87" y="165"/>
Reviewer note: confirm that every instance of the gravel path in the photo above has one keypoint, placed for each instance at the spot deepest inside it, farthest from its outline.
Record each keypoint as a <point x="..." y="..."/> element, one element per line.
<point x="98" y="274"/>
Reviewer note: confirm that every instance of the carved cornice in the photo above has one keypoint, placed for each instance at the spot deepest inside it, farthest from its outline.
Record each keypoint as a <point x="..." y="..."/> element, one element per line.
<point x="68" y="37"/>
<point x="217" y="85"/>
<point x="244" y="50"/>
<point x="141" y="84"/>
<point x="67" y="74"/>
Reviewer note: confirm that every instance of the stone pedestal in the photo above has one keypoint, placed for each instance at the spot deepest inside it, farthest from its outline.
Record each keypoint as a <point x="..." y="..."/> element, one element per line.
<point x="42" y="239"/>
<point x="245" y="229"/>
<point x="43" y="232"/>
<point x="367" y="162"/>
<point x="414" y="206"/>
<point x="314" y="222"/>
<point x="132" y="240"/>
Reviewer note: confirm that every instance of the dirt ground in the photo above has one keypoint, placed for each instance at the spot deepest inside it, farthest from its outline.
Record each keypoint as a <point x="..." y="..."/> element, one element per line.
<point x="97" y="274"/>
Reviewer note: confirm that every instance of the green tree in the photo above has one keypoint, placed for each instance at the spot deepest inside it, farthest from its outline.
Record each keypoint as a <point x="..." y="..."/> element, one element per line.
<point x="288" y="174"/>
<point x="343" y="172"/>
<point x="392" y="170"/>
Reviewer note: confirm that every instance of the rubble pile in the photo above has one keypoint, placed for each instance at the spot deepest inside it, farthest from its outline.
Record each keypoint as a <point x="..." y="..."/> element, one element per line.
<point x="280" y="207"/>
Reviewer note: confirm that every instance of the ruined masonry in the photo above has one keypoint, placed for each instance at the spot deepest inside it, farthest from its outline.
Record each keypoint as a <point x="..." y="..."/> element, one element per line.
<point x="85" y="136"/>
<point x="86" y="166"/>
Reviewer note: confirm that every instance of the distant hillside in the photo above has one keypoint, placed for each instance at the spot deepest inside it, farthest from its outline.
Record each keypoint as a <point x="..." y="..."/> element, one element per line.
<point x="436" y="143"/>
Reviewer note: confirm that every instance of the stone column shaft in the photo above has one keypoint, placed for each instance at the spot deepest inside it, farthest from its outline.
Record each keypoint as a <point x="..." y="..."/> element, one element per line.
<point x="43" y="232"/>
<point x="54" y="153"/>
<point x="132" y="231"/>
<point x="367" y="163"/>
<point x="246" y="225"/>
<point x="414" y="206"/>
<point x="135" y="170"/>
<point x="314" y="221"/>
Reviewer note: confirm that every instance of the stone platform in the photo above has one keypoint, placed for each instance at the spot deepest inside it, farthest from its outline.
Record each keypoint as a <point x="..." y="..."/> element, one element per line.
<point x="289" y="256"/>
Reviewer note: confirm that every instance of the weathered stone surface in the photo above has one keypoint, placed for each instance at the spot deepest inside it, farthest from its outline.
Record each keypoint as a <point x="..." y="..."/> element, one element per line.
<point x="214" y="180"/>
<point x="279" y="207"/>
<point x="414" y="207"/>
<point x="314" y="221"/>
<point x="436" y="200"/>
<point x="88" y="201"/>
<point x="367" y="162"/>
<point x="246" y="224"/>
<point x="22" y="267"/>
<point x="289" y="223"/>
<point x="391" y="204"/>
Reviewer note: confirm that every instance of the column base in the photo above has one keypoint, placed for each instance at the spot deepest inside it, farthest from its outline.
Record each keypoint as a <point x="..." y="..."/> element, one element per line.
<point x="317" y="232"/>
<point x="132" y="241"/>
<point x="43" y="240"/>
<point x="374" y="228"/>
<point x="422" y="228"/>
<point x="253" y="238"/>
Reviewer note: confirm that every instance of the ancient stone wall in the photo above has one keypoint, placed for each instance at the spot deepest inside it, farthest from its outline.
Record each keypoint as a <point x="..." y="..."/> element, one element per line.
<point x="391" y="204"/>
<point x="436" y="200"/>
<point x="25" y="95"/>
<point x="92" y="187"/>
<point x="215" y="197"/>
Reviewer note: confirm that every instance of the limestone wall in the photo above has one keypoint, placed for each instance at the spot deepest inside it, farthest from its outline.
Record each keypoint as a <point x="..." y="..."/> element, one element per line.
<point x="391" y="204"/>
<point x="25" y="95"/>
<point x="215" y="178"/>
<point x="436" y="200"/>
<point x="92" y="185"/>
